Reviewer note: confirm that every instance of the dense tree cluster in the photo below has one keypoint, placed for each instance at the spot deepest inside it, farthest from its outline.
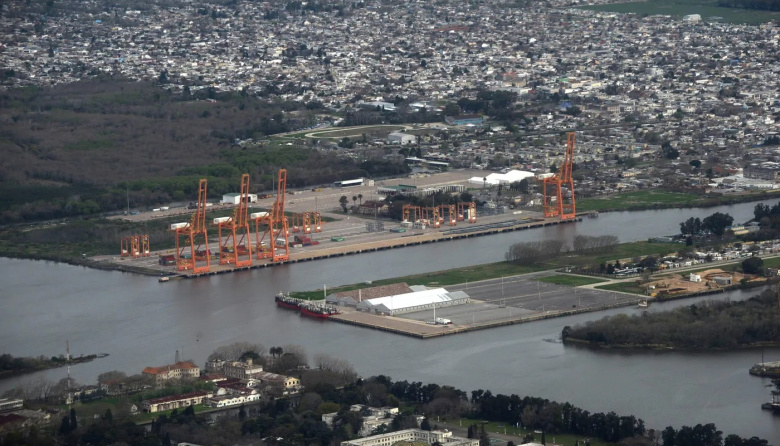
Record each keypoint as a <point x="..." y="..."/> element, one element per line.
<point x="553" y="417"/>
<point x="530" y="253"/>
<point x="705" y="435"/>
<point x="705" y="325"/>
<point x="87" y="147"/>
<point x="715" y="224"/>
<point x="594" y="244"/>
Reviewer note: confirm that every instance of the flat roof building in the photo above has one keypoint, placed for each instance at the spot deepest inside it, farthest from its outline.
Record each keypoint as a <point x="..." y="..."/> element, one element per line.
<point x="445" y="438"/>
<point x="417" y="300"/>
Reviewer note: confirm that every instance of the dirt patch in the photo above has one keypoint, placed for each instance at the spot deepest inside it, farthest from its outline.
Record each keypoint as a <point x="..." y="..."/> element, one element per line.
<point x="710" y="279"/>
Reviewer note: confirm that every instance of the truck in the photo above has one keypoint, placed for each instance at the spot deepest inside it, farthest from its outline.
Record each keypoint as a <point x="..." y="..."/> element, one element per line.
<point x="442" y="321"/>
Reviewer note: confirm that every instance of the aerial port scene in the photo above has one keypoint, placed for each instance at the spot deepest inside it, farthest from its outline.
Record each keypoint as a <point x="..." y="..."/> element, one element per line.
<point x="390" y="223"/>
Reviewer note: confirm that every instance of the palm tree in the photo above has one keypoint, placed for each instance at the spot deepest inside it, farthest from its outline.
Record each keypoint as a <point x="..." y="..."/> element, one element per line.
<point x="354" y="199"/>
<point x="360" y="197"/>
<point x="276" y="351"/>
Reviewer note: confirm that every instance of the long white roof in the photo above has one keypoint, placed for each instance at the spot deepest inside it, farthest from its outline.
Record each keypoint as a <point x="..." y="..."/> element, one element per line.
<point x="495" y="178"/>
<point x="417" y="298"/>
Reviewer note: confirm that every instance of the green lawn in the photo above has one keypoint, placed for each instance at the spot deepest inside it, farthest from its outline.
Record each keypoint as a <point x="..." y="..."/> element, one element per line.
<point x="707" y="9"/>
<point x="567" y="280"/>
<point x="638" y="199"/>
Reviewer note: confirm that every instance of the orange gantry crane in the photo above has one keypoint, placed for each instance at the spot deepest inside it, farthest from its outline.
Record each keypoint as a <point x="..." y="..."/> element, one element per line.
<point x="194" y="235"/>
<point x="235" y="247"/>
<point x="411" y="213"/>
<point x="449" y="211"/>
<point x="467" y="210"/>
<point x="567" y="210"/>
<point x="273" y="242"/>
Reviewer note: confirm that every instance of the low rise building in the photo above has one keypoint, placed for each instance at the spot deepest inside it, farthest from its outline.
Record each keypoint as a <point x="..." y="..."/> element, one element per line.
<point x="444" y="438"/>
<point x="180" y="370"/>
<point x="241" y="370"/>
<point x="175" y="401"/>
<point x="10" y="404"/>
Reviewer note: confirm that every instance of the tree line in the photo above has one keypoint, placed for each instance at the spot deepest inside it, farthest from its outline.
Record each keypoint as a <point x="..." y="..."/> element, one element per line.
<point x="530" y="253"/>
<point x="701" y="326"/>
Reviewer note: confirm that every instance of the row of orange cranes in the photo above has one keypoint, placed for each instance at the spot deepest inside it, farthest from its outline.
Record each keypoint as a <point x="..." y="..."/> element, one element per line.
<point x="437" y="215"/>
<point x="308" y="222"/>
<point x="134" y="246"/>
<point x="235" y="236"/>
<point x="559" y="203"/>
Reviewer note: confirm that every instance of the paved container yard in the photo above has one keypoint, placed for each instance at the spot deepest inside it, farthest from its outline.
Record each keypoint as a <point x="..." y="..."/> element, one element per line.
<point x="518" y="299"/>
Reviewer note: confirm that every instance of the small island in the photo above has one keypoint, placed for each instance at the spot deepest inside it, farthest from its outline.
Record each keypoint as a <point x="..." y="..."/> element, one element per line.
<point x="709" y="325"/>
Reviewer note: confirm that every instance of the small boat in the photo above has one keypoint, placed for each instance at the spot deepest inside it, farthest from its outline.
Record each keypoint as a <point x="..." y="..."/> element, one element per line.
<point x="163" y="279"/>
<point x="642" y="304"/>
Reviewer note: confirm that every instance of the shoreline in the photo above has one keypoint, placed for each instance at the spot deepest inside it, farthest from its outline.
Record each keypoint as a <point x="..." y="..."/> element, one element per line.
<point x="6" y="374"/>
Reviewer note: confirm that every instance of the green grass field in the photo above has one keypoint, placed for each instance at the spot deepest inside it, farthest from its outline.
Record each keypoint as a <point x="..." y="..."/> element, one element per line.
<point x="567" y="280"/>
<point x="644" y="198"/>
<point x="708" y="11"/>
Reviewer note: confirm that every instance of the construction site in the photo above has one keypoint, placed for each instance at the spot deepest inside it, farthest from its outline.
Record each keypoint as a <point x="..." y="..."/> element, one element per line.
<point x="291" y="226"/>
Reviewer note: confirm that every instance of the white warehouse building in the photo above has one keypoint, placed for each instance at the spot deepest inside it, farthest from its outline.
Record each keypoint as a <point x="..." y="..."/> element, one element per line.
<point x="415" y="301"/>
<point x="494" y="179"/>
<point x="401" y="138"/>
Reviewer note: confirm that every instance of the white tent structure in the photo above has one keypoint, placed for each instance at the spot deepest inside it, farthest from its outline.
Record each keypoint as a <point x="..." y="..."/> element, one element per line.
<point x="416" y="301"/>
<point x="495" y="179"/>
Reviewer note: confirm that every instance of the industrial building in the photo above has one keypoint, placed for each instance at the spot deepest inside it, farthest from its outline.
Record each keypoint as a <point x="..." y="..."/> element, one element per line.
<point x="444" y="438"/>
<point x="494" y="179"/>
<point x="401" y="138"/>
<point x="419" y="299"/>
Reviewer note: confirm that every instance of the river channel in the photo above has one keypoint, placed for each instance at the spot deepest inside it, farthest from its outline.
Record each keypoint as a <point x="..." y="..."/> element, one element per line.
<point x="141" y="322"/>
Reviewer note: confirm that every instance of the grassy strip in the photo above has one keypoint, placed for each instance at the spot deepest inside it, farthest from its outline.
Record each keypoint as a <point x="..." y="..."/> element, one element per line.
<point x="495" y="270"/>
<point x="567" y="280"/>
<point x="643" y="198"/>
<point x="624" y="287"/>
<point x="658" y="199"/>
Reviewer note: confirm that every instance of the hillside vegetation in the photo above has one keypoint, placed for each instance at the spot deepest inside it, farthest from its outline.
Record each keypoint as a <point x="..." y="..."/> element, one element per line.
<point x="82" y="148"/>
<point x="706" y="325"/>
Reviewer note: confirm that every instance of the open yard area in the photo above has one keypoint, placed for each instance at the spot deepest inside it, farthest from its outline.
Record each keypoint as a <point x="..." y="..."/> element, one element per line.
<point x="567" y="280"/>
<point x="709" y="11"/>
<point x="639" y="199"/>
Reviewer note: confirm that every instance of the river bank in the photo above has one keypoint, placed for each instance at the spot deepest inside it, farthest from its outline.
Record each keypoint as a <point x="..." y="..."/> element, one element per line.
<point x="42" y="364"/>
